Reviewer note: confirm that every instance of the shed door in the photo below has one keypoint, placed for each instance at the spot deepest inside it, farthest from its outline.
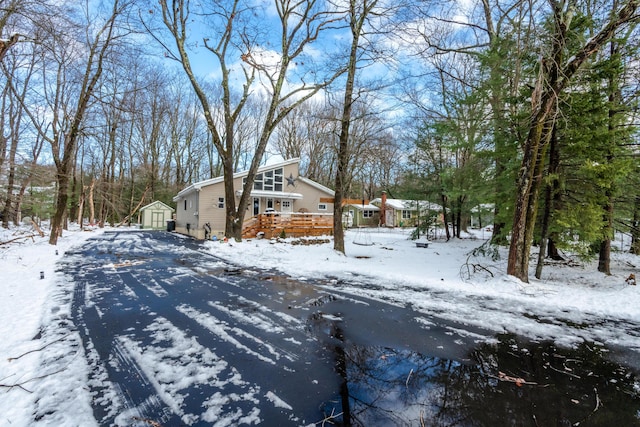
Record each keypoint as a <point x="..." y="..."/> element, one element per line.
<point x="157" y="219"/>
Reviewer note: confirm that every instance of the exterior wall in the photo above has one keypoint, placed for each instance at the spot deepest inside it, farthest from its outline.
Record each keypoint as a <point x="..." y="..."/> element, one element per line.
<point x="186" y="210"/>
<point x="311" y="199"/>
<point x="359" y="220"/>
<point x="213" y="210"/>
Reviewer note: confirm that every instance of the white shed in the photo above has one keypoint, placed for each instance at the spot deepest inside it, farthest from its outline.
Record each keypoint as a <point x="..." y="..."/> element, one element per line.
<point x="155" y="215"/>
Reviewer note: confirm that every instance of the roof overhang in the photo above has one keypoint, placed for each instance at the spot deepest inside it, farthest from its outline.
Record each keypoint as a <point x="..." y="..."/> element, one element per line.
<point x="273" y="194"/>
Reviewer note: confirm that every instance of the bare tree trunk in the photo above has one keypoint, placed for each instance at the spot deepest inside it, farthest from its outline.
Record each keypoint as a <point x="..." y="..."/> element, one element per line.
<point x="345" y="123"/>
<point x="604" y="255"/>
<point x="92" y="206"/>
<point x="549" y="207"/>
<point x="445" y="217"/>
<point x="635" y="228"/>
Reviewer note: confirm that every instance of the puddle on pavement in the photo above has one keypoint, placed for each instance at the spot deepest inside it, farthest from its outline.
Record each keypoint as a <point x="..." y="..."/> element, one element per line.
<point x="508" y="382"/>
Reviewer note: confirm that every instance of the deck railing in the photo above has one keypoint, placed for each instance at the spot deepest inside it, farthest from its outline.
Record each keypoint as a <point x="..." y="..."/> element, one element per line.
<point x="292" y="224"/>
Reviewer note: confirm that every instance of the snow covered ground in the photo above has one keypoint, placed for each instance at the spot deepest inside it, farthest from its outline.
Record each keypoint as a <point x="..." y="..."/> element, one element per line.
<point x="446" y="281"/>
<point x="570" y="304"/>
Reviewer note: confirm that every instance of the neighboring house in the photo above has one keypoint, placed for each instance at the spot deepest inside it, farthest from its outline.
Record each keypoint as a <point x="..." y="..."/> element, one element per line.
<point x="278" y="192"/>
<point x="361" y="215"/>
<point x="403" y="213"/>
<point x="482" y="215"/>
<point x="155" y="215"/>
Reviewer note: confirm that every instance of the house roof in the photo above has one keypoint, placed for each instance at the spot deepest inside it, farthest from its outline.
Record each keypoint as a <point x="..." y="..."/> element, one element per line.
<point x="368" y="207"/>
<point x="199" y="185"/>
<point x="277" y="194"/>
<point x="157" y="202"/>
<point x="404" y="204"/>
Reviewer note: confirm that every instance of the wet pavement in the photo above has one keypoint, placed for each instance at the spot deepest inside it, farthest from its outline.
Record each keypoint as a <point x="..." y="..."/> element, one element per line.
<point x="175" y="336"/>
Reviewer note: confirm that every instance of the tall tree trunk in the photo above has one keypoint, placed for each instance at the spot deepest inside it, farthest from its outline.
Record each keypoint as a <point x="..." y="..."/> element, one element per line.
<point x="91" y="202"/>
<point x="604" y="255"/>
<point x="635" y="228"/>
<point x="356" y="23"/>
<point x="604" y="264"/>
<point x="445" y="216"/>
<point x="552" y="169"/>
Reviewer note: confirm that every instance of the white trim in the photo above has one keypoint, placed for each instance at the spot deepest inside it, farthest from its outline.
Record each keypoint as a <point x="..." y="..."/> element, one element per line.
<point x="164" y="205"/>
<point x="272" y="194"/>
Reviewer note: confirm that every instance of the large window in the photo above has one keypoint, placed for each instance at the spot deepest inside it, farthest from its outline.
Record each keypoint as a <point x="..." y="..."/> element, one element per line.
<point x="270" y="180"/>
<point x="406" y="214"/>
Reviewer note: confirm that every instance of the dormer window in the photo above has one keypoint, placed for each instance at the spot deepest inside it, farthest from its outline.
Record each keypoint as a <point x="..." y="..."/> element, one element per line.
<point x="269" y="180"/>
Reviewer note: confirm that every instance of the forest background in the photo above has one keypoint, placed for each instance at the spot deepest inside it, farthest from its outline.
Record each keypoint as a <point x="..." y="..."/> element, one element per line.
<point x="528" y="107"/>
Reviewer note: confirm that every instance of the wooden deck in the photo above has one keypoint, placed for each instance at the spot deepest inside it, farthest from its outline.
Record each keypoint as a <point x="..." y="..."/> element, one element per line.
<point x="293" y="225"/>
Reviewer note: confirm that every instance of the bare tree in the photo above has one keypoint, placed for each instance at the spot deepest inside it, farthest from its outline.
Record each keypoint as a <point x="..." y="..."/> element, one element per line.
<point x="65" y="124"/>
<point x="231" y="32"/>
<point x="360" y="13"/>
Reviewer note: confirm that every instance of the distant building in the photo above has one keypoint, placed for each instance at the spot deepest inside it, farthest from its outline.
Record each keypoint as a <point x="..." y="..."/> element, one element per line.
<point x="155" y="215"/>
<point x="361" y="215"/>
<point x="403" y="212"/>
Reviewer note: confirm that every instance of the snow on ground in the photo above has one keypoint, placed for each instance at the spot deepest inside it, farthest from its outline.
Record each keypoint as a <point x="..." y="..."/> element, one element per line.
<point x="444" y="280"/>
<point x="441" y="280"/>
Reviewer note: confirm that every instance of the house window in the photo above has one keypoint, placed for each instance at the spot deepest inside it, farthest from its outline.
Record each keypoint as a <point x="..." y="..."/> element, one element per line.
<point x="257" y="183"/>
<point x="185" y="204"/>
<point x="367" y="214"/>
<point x="286" y="205"/>
<point x="268" y="180"/>
<point x="278" y="175"/>
<point x="322" y="207"/>
<point x="221" y="202"/>
<point x="406" y="214"/>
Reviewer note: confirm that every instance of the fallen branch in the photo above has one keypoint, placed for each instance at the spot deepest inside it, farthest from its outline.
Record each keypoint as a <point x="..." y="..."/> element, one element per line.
<point x="21" y="384"/>
<point x="40" y="232"/>
<point x="11" y="359"/>
<point x="406" y="383"/>
<point x="564" y="372"/>
<point x="148" y="421"/>
<point x="30" y="236"/>
<point x="516" y="380"/>
<point x="126" y="218"/>
<point x="329" y="418"/>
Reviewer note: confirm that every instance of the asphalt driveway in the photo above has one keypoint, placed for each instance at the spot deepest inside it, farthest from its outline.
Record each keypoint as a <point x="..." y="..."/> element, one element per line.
<point x="175" y="336"/>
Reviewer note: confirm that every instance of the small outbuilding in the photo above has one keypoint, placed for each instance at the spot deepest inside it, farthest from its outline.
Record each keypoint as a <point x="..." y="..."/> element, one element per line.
<point x="155" y="215"/>
<point x="361" y="215"/>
